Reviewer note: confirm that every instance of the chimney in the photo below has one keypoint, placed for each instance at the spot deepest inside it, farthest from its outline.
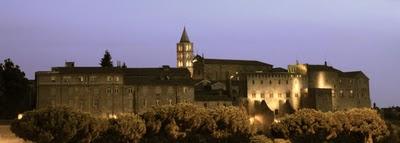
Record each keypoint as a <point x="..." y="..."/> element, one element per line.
<point x="165" y="67"/>
<point x="326" y="63"/>
<point x="69" y="64"/>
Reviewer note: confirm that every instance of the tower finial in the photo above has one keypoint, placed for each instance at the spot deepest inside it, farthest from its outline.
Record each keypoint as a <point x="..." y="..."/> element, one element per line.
<point x="184" y="37"/>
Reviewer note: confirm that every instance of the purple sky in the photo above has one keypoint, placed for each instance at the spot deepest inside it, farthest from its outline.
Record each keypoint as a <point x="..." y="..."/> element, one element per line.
<point x="349" y="34"/>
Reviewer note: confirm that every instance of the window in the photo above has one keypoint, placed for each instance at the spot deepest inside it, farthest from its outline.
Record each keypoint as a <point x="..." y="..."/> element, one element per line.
<point x="116" y="90"/>
<point x="108" y="90"/>
<point x="185" y="90"/>
<point x="157" y="102"/>
<point x="253" y="82"/>
<point x="287" y="81"/>
<point x="170" y="101"/>
<point x="109" y="78"/>
<point x="262" y="95"/>
<point x="253" y="95"/>
<point x="130" y="90"/>
<point x="270" y="81"/>
<point x="296" y="95"/>
<point x="53" y="79"/>
<point x="261" y="82"/>
<point x="179" y="48"/>
<point x="271" y="95"/>
<point x="66" y="78"/>
<point x="81" y="78"/>
<point x="92" y="78"/>
<point x="279" y="81"/>
<point x="158" y="94"/>
<point x="280" y="95"/>
<point x="288" y="95"/>
<point x="116" y="78"/>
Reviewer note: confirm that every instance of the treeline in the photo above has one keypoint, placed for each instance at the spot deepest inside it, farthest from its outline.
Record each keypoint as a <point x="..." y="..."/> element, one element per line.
<point x="195" y="124"/>
<point x="180" y="123"/>
<point x="352" y="126"/>
<point x="392" y="118"/>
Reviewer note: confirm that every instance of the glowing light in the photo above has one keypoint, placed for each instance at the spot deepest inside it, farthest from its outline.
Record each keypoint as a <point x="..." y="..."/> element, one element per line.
<point x="277" y="121"/>
<point x="251" y="120"/>
<point x="112" y="116"/>
<point x="20" y="116"/>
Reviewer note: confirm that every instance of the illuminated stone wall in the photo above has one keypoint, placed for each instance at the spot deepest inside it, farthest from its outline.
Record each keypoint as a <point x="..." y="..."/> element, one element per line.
<point x="276" y="89"/>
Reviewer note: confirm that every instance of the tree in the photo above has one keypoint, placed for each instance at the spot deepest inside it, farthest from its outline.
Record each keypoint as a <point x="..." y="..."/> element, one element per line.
<point x="13" y="90"/>
<point x="56" y="125"/>
<point x="125" y="128"/>
<point x="106" y="60"/>
<point x="124" y="65"/>
<point x="352" y="126"/>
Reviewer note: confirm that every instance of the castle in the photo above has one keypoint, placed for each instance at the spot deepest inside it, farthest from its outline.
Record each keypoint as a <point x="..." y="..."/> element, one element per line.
<point x="203" y="81"/>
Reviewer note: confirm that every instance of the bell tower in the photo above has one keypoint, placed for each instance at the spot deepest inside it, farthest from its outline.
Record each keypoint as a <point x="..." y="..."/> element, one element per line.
<point x="184" y="53"/>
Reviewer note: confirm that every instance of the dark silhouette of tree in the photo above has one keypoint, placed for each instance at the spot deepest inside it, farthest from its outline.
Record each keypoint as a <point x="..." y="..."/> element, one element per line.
<point x="106" y="60"/>
<point x="13" y="90"/>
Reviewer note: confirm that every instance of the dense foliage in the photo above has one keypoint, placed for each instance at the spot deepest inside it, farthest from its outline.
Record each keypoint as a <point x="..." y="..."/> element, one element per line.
<point x="124" y="129"/>
<point x="56" y="125"/>
<point x="191" y="123"/>
<point x="355" y="125"/>
<point x="188" y="123"/>
<point x="392" y="118"/>
<point x="13" y="90"/>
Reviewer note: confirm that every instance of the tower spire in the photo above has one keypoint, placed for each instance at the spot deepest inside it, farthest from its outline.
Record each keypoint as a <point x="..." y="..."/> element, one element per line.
<point x="184" y="37"/>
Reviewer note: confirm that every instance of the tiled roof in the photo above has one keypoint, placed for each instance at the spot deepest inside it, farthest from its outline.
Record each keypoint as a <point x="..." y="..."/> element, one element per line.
<point x="322" y="68"/>
<point x="235" y="62"/>
<point x="352" y="74"/>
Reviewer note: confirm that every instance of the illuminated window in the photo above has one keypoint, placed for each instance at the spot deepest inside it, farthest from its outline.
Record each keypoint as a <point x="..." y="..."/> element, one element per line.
<point x="116" y="78"/>
<point x="179" y="48"/>
<point x="116" y="90"/>
<point x="157" y="102"/>
<point x="262" y="95"/>
<point x="81" y="78"/>
<point x="170" y="101"/>
<point x="271" y="95"/>
<point x="53" y="79"/>
<point x="351" y="91"/>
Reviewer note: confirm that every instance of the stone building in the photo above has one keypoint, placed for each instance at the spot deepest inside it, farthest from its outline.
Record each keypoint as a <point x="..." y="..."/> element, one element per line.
<point x="344" y="89"/>
<point x="203" y="81"/>
<point x="108" y="91"/>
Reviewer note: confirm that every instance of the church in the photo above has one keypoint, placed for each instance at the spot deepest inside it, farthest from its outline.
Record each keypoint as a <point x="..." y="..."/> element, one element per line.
<point x="203" y="81"/>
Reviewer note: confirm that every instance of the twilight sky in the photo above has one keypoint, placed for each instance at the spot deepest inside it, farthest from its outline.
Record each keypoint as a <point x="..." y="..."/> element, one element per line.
<point x="349" y="34"/>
